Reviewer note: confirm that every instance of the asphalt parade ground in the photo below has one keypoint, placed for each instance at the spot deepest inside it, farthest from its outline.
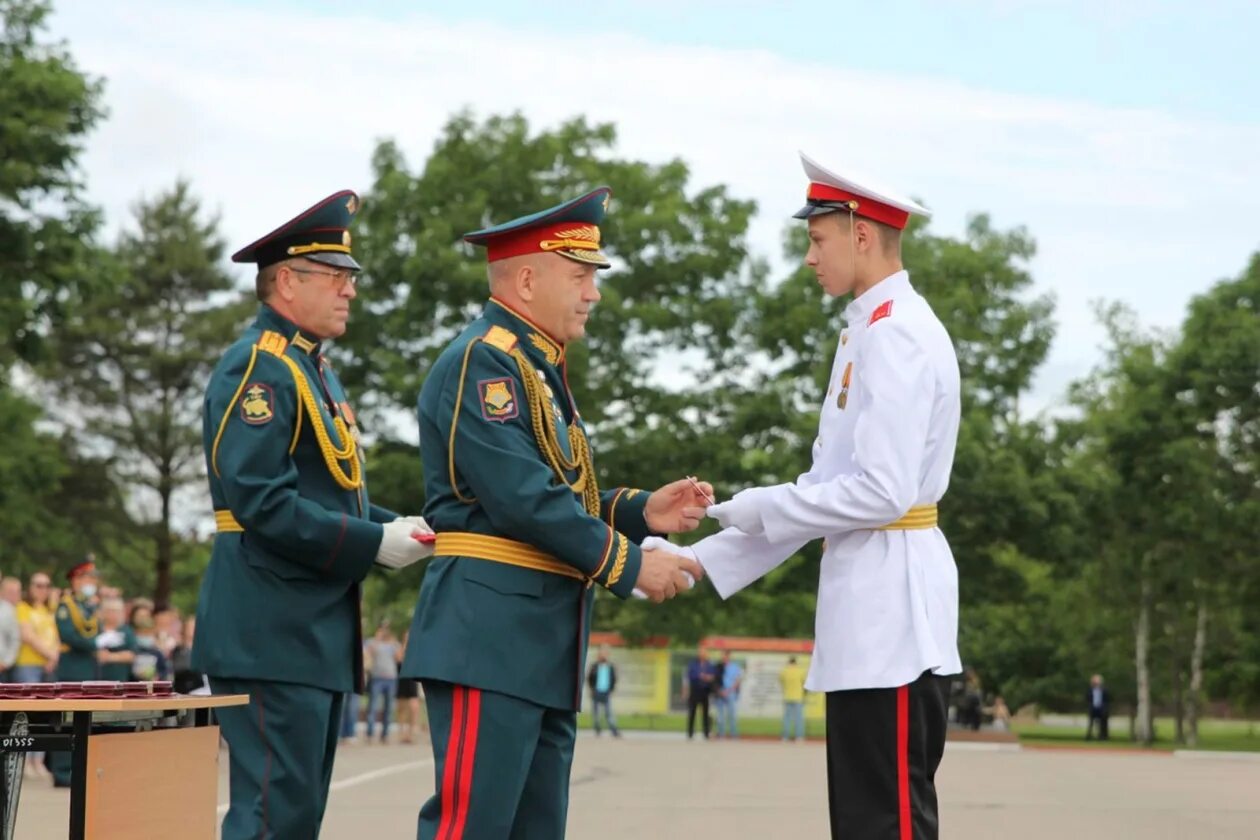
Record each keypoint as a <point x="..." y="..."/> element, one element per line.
<point x="662" y="786"/>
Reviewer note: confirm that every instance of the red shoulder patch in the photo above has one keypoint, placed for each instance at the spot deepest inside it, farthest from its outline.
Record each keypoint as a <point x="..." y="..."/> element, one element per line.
<point x="882" y="311"/>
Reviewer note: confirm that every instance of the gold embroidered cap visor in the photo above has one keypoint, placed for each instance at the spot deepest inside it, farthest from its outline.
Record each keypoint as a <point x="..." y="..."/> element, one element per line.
<point x="320" y="233"/>
<point x="570" y="229"/>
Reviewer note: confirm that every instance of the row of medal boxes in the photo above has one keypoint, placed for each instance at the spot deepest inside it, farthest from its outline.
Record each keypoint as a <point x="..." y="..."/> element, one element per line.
<point x="84" y="690"/>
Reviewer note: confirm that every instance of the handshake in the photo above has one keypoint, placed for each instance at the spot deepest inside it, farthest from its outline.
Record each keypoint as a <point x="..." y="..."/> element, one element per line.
<point x="666" y="570"/>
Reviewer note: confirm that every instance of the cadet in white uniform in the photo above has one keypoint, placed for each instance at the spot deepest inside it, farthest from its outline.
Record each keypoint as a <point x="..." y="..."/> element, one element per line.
<point x="887" y="621"/>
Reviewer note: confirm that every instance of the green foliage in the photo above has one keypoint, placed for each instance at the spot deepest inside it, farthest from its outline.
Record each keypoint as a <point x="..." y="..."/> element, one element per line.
<point x="131" y="361"/>
<point x="47" y="107"/>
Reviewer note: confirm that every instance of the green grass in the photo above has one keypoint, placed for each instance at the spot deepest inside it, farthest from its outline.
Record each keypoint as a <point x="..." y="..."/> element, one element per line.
<point x="1238" y="735"/>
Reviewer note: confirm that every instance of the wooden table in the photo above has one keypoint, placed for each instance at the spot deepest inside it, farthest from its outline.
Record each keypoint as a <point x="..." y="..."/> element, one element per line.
<point x="140" y="766"/>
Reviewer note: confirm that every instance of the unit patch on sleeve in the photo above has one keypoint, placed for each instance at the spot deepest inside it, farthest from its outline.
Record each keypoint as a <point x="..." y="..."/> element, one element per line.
<point x="498" y="399"/>
<point x="257" y="401"/>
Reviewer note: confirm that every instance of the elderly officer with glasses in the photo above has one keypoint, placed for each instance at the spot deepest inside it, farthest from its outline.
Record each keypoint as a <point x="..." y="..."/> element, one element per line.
<point x="278" y="617"/>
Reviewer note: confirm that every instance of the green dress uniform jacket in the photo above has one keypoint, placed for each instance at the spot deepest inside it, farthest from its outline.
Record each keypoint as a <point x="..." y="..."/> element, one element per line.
<point x="296" y="531"/>
<point x="78" y="627"/>
<point x="522" y="530"/>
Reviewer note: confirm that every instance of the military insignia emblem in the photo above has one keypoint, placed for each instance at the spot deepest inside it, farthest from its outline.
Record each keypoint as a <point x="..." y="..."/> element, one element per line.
<point x="345" y="238"/>
<point x="256" y="406"/>
<point x="884" y="310"/>
<point x="498" y="399"/>
<point x="548" y="349"/>
<point x="843" y="400"/>
<point x="352" y="204"/>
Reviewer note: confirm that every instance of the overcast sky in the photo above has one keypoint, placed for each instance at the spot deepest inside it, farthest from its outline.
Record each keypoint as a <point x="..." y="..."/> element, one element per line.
<point x="1121" y="134"/>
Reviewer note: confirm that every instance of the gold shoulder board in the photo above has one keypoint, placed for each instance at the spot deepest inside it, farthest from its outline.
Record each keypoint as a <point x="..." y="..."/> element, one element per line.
<point x="500" y="338"/>
<point x="272" y="342"/>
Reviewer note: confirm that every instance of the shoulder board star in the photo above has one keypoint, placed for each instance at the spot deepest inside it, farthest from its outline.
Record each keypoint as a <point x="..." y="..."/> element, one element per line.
<point x="884" y="310"/>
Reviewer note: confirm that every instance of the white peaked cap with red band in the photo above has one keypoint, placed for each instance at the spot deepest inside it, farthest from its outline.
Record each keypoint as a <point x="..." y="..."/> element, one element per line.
<point x="828" y="192"/>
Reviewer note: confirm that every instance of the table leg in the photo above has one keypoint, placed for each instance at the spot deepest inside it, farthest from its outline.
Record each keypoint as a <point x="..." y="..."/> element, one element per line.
<point x="78" y="775"/>
<point x="12" y="766"/>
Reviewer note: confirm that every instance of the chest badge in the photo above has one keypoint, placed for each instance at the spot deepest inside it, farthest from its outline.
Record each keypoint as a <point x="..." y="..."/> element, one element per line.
<point x="843" y="399"/>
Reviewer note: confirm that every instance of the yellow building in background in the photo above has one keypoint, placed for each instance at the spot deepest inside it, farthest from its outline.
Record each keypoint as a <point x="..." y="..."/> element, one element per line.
<point x="649" y="677"/>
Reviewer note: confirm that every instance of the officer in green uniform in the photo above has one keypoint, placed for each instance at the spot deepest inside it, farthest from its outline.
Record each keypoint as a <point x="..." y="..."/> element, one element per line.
<point x="79" y="629"/>
<point x="278" y="616"/>
<point x="523" y="531"/>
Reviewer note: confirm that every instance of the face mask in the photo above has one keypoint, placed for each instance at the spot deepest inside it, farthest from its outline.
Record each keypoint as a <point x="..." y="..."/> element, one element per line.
<point x="147" y="641"/>
<point x="88" y="590"/>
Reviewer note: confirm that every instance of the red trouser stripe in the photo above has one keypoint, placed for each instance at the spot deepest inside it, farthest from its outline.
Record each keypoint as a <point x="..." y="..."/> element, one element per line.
<point x="468" y="755"/>
<point x="903" y="762"/>
<point x="452" y="762"/>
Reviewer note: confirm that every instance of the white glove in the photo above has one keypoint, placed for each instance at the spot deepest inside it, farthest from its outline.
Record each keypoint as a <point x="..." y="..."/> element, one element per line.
<point x="742" y="512"/>
<point x="662" y="544"/>
<point x="109" y="639"/>
<point x="399" y="548"/>
<point x="418" y="521"/>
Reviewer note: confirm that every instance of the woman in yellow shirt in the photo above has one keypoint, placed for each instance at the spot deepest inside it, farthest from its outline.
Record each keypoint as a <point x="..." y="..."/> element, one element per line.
<point x="40" y="646"/>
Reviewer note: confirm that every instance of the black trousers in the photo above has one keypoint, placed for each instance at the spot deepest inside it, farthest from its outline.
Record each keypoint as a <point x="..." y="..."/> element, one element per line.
<point x="697" y="700"/>
<point x="883" y="748"/>
<point x="1099" y="716"/>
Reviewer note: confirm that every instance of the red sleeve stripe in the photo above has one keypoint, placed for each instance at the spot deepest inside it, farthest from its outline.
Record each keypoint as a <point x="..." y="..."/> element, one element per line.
<point x="337" y="546"/>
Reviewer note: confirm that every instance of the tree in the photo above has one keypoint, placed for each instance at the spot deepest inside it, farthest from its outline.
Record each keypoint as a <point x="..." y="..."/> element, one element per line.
<point x="1216" y="366"/>
<point x="48" y="108"/>
<point x="133" y="361"/>
<point x="55" y="503"/>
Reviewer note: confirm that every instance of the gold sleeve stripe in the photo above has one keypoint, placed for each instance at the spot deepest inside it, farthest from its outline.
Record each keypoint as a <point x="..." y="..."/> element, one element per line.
<point x="609" y="545"/>
<point x="214" y="450"/>
<point x="450" y="443"/>
<point x="623" y="551"/>
<point x="612" y="508"/>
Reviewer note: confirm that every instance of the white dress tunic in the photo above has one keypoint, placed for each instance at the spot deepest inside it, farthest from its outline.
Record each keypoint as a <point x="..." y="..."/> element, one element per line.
<point x="887" y="599"/>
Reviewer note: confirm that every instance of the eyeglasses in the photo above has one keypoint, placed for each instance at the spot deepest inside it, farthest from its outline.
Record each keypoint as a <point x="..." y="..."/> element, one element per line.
<point x="340" y="278"/>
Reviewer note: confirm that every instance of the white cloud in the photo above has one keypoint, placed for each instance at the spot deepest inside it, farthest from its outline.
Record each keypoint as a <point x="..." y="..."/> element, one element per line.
<point x="266" y="112"/>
